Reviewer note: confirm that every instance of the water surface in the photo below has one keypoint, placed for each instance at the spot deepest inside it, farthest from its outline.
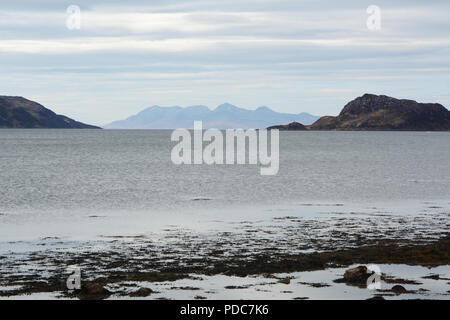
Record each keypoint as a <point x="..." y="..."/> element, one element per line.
<point x="87" y="181"/>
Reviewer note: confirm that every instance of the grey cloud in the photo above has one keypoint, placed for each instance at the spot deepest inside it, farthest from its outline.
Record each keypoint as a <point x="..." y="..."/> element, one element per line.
<point x="247" y="52"/>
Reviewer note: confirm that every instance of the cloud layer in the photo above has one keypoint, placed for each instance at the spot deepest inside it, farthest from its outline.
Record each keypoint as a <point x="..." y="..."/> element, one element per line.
<point x="294" y="56"/>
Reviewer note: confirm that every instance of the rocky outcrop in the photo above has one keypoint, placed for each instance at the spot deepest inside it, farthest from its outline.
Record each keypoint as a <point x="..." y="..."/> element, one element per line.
<point x="18" y="112"/>
<point x="293" y="126"/>
<point x="358" y="274"/>
<point x="398" y="289"/>
<point x="372" y="112"/>
<point x="141" y="292"/>
<point x="93" y="291"/>
<point x="355" y="277"/>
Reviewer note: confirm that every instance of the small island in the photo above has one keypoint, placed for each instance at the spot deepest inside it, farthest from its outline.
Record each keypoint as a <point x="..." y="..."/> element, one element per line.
<point x="293" y="126"/>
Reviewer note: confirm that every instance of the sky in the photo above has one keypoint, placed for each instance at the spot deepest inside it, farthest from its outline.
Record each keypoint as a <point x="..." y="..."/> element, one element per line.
<point x="290" y="55"/>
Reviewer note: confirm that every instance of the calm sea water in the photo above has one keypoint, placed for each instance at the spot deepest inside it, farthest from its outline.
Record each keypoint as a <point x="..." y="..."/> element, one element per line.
<point x="48" y="176"/>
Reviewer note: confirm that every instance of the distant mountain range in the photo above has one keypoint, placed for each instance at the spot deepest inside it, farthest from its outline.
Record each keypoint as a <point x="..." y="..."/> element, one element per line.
<point x="223" y="117"/>
<point x="373" y="112"/>
<point x="18" y="112"/>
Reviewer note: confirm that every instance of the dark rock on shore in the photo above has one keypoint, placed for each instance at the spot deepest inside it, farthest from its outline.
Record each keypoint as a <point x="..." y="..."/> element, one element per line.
<point x="285" y="281"/>
<point x="435" y="277"/>
<point x="18" y="112"/>
<point x="355" y="276"/>
<point x="398" y="289"/>
<point x="93" y="291"/>
<point x="358" y="274"/>
<point x="293" y="126"/>
<point x="141" y="292"/>
<point x="372" y="112"/>
<point x="314" y="284"/>
<point x="154" y="276"/>
<point x="399" y="280"/>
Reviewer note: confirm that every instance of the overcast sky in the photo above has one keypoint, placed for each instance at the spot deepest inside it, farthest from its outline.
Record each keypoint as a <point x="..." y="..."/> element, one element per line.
<point x="290" y="55"/>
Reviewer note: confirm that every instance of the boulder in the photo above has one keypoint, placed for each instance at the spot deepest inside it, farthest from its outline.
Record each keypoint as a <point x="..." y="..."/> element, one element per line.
<point x="285" y="280"/>
<point x="93" y="290"/>
<point x="398" y="289"/>
<point x="142" y="292"/>
<point x="356" y="275"/>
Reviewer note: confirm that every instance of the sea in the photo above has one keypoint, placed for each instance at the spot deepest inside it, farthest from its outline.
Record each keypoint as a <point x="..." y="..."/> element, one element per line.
<point x="54" y="182"/>
<point x="69" y="189"/>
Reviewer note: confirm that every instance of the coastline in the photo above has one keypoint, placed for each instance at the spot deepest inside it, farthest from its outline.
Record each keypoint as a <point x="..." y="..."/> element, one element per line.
<point x="266" y="255"/>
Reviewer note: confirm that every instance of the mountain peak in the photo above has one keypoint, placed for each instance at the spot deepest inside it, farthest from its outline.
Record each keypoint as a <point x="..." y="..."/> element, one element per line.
<point x="226" y="107"/>
<point x="263" y="108"/>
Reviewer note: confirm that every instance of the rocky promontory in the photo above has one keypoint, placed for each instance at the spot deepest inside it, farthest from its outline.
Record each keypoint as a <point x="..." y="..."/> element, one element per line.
<point x="379" y="112"/>
<point x="18" y="112"/>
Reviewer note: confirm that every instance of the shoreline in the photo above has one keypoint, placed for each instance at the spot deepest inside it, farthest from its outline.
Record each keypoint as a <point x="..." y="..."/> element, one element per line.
<point x="272" y="251"/>
<point x="274" y="270"/>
